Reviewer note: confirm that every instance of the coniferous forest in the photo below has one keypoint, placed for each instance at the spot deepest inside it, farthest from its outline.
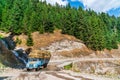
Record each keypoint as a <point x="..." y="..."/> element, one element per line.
<point x="97" y="30"/>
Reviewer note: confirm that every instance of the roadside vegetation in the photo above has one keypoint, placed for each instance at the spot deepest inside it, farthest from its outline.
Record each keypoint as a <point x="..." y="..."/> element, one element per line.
<point x="98" y="31"/>
<point x="1" y="36"/>
<point x="68" y="67"/>
<point x="18" y="41"/>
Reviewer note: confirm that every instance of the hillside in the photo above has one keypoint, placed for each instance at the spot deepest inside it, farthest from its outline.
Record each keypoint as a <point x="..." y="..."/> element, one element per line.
<point x="65" y="50"/>
<point x="56" y="43"/>
<point x="41" y="40"/>
<point x="63" y="45"/>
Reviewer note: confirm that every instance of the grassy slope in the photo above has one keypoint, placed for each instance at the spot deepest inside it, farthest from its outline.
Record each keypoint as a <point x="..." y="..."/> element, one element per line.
<point x="41" y="40"/>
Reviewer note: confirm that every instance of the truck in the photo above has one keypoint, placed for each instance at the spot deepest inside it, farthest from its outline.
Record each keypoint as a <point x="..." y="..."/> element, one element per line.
<point x="38" y="59"/>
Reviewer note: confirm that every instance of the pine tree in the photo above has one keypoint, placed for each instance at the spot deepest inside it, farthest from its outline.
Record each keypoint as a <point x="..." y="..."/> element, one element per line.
<point x="29" y="40"/>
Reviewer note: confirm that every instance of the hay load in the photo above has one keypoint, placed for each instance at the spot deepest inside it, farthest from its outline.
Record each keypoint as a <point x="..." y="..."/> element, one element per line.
<point x="39" y="54"/>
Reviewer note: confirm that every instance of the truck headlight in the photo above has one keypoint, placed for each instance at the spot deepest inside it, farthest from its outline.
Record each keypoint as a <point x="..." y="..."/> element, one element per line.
<point x="35" y="66"/>
<point x="27" y="65"/>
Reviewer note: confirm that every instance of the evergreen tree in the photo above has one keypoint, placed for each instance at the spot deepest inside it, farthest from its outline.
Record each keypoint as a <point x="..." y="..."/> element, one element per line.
<point x="97" y="30"/>
<point x="17" y="16"/>
<point x="29" y="40"/>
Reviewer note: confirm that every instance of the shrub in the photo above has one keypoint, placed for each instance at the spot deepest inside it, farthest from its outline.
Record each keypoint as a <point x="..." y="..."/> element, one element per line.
<point x="68" y="67"/>
<point x="18" y="41"/>
<point x="30" y="41"/>
<point x="1" y="36"/>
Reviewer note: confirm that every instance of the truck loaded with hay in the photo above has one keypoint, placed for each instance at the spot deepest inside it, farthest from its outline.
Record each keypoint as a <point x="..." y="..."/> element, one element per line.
<point x="38" y="59"/>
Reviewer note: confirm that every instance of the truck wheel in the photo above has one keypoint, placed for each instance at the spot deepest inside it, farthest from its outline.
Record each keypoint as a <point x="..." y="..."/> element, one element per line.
<point x="28" y="69"/>
<point x="45" y="65"/>
<point x="34" y="69"/>
<point x="38" y="68"/>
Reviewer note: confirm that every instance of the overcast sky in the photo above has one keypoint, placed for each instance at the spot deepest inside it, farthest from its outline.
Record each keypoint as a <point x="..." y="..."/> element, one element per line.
<point x="109" y="6"/>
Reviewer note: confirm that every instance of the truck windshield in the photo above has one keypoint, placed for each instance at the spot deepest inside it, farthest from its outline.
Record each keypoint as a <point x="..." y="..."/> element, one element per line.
<point x="32" y="59"/>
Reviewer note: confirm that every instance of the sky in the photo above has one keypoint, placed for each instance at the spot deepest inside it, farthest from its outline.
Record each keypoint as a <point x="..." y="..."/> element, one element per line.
<point x="112" y="7"/>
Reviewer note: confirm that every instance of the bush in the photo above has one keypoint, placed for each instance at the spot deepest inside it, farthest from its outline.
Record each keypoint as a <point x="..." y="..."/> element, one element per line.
<point x="1" y="36"/>
<point x="68" y="67"/>
<point x="18" y="41"/>
<point x="30" y="41"/>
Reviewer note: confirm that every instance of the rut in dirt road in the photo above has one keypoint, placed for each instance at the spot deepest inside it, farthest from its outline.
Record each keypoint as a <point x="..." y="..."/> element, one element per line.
<point x="66" y="76"/>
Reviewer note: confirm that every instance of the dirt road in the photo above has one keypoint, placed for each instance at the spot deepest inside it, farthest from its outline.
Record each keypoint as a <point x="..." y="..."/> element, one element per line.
<point x="56" y="73"/>
<point x="50" y="75"/>
<point x="40" y="75"/>
<point x="63" y="62"/>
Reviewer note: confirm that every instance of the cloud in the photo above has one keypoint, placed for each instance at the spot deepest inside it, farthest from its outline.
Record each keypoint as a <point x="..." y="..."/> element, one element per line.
<point x="100" y="5"/>
<point x="60" y="2"/>
<point x="97" y="5"/>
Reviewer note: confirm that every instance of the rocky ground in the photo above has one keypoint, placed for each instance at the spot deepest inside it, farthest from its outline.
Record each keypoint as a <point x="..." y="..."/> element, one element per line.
<point x="41" y="75"/>
<point x="55" y="71"/>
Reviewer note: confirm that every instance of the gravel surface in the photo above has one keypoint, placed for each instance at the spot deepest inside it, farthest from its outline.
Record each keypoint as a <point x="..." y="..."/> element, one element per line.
<point x="51" y="73"/>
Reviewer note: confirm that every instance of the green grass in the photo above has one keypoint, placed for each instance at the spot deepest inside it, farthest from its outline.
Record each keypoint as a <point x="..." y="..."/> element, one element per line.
<point x="1" y="36"/>
<point x="68" y="67"/>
